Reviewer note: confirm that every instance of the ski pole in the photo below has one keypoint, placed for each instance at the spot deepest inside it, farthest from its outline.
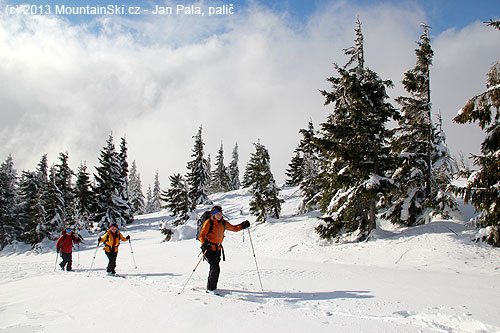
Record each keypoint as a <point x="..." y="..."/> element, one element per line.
<point x="257" y="266"/>
<point x="57" y="256"/>
<point x="130" y="242"/>
<point x="95" y="253"/>
<point x="194" y="269"/>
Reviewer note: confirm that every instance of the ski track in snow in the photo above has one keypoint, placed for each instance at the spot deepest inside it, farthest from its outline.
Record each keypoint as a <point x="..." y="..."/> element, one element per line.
<point x="430" y="278"/>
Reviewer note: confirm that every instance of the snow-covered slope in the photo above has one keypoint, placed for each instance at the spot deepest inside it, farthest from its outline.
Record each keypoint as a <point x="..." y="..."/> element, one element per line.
<point x="428" y="278"/>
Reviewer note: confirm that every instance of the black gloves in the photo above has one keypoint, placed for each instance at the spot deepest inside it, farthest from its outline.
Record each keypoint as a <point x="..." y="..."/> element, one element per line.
<point x="245" y="224"/>
<point x="128" y="237"/>
<point x="205" y="246"/>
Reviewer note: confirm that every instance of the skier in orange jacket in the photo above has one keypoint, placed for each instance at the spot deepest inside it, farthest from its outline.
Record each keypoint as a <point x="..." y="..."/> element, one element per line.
<point x="211" y="237"/>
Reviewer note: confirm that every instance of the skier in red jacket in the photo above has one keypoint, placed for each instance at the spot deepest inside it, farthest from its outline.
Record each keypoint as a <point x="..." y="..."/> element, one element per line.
<point x="65" y="246"/>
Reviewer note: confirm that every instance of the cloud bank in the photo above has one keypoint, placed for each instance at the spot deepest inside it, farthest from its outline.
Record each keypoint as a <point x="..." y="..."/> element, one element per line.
<point x="251" y="76"/>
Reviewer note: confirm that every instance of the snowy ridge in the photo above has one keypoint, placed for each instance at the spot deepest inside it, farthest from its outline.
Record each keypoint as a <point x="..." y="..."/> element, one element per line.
<point x="431" y="278"/>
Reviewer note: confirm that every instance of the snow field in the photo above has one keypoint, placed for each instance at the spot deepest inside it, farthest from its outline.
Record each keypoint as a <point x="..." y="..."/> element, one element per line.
<point x="430" y="278"/>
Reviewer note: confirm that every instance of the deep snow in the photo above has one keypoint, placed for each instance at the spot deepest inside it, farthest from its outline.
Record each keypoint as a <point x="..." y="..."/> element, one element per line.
<point x="427" y="278"/>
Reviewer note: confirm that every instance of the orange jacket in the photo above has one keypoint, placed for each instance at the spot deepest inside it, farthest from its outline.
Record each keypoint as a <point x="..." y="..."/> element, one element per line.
<point x="111" y="241"/>
<point x="216" y="236"/>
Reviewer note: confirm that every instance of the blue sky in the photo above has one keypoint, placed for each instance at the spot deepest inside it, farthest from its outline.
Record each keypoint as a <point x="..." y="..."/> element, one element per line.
<point x="442" y="14"/>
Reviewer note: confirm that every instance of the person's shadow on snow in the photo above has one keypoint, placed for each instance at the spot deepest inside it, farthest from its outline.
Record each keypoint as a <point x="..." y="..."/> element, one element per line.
<point x="297" y="296"/>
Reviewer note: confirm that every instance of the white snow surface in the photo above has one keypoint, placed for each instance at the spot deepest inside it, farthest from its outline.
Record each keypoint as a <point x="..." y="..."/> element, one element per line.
<point x="430" y="278"/>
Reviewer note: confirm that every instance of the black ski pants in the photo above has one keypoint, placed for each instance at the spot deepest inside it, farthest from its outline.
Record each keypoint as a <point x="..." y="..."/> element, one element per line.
<point x="67" y="260"/>
<point x="213" y="258"/>
<point x="111" y="261"/>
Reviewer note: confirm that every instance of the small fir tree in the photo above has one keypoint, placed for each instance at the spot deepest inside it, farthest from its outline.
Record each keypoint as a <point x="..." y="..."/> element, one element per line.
<point x="155" y="203"/>
<point x="311" y="184"/>
<point x="135" y="190"/>
<point x="234" y="172"/>
<point x="265" y="201"/>
<point x="177" y="199"/>
<point x="295" y="167"/>
<point x="149" y="199"/>
<point x="220" y="177"/>
<point x="198" y="176"/>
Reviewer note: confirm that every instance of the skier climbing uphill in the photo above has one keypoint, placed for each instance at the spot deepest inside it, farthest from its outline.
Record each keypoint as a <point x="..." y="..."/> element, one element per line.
<point x="65" y="247"/>
<point x="111" y="241"/>
<point x="211" y="237"/>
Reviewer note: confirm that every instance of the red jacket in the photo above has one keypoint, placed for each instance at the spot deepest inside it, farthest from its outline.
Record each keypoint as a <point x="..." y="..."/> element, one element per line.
<point x="65" y="242"/>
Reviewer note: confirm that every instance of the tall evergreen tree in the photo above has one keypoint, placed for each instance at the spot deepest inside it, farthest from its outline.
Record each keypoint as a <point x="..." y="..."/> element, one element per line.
<point x="135" y="190"/>
<point x="354" y="142"/>
<point x="32" y="213"/>
<point x="54" y="202"/>
<point x="59" y="201"/>
<point x="10" y="229"/>
<point x="234" y="172"/>
<point x="177" y="198"/>
<point x="123" y="199"/>
<point x="482" y="188"/>
<point x="110" y="205"/>
<point x="84" y="198"/>
<point x="43" y="171"/>
<point x="418" y="147"/>
<point x="63" y="178"/>
<point x="265" y="201"/>
<point x="198" y="176"/>
<point x="220" y="176"/>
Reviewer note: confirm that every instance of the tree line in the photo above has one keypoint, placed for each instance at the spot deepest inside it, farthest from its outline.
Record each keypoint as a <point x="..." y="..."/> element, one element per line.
<point x="39" y="204"/>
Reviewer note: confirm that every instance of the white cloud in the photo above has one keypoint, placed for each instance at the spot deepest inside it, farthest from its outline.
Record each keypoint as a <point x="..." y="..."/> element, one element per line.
<point x="252" y="76"/>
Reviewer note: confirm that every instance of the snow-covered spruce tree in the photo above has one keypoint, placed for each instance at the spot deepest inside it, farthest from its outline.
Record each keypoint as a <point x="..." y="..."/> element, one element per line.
<point x="265" y="201"/>
<point x="135" y="191"/>
<point x="54" y="203"/>
<point x="10" y="228"/>
<point x="123" y="199"/>
<point x="294" y="172"/>
<point x="63" y="182"/>
<point x="442" y="202"/>
<point x="234" y="171"/>
<point x="419" y="148"/>
<point x="110" y="207"/>
<point x="311" y="184"/>
<point x="32" y="215"/>
<point x="84" y="198"/>
<point x="149" y="199"/>
<point x="155" y="203"/>
<point x="177" y="199"/>
<point x="209" y="169"/>
<point x="198" y="176"/>
<point x="220" y="177"/>
<point x="482" y="188"/>
<point x="354" y="142"/>
<point x="59" y="197"/>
